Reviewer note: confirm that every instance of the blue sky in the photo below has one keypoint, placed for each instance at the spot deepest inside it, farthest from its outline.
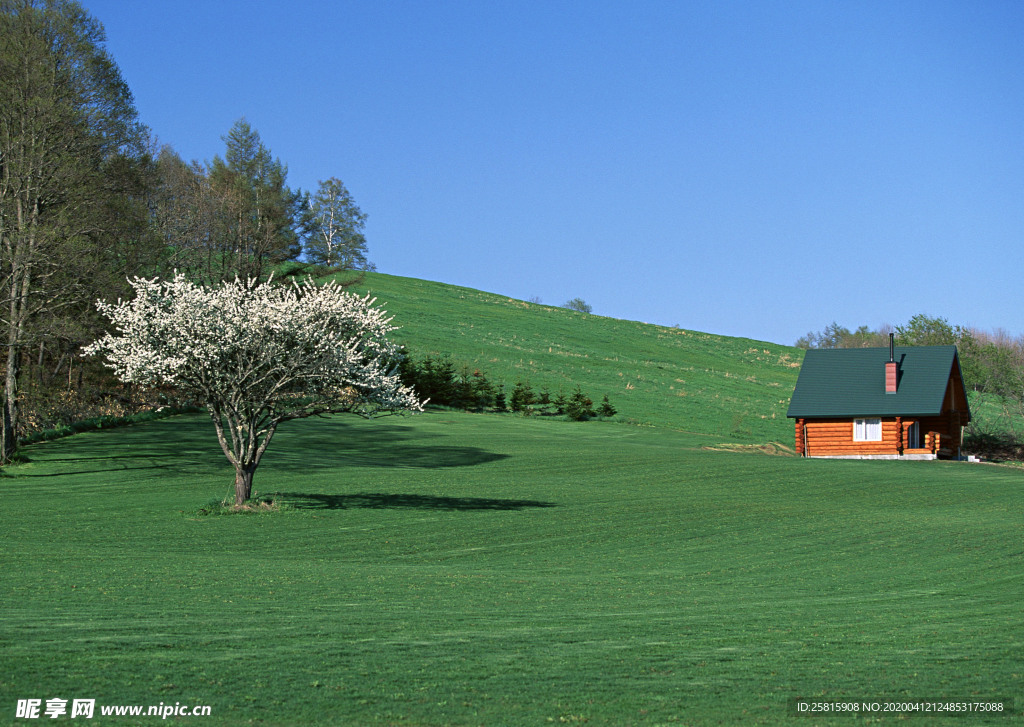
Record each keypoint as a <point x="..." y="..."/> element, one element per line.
<point x="753" y="169"/>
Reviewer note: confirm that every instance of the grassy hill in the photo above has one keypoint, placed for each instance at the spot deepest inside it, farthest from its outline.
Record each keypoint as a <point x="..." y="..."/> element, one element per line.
<point x="730" y="388"/>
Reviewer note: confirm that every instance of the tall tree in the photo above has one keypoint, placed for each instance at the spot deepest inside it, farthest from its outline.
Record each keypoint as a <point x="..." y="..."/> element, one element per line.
<point x="259" y="215"/>
<point x="336" y="228"/>
<point x="65" y="115"/>
<point x="924" y="330"/>
<point x="186" y="218"/>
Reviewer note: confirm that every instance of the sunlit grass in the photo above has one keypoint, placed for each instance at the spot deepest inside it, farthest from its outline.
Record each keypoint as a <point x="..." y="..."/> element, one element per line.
<point x="465" y="569"/>
<point x="734" y="388"/>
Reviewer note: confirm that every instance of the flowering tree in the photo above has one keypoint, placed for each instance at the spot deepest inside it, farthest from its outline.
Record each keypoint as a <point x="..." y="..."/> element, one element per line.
<point x="257" y="355"/>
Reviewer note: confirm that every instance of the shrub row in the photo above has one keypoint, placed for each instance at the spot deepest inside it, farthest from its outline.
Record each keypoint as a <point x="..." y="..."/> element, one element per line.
<point x="446" y="383"/>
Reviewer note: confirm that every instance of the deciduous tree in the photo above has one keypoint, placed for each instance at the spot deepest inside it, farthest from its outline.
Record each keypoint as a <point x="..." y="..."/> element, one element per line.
<point x="924" y="330"/>
<point x="336" y="228"/>
<point x="578" y="304"/>
<point x="257" y="355"/>
<point x="66" y="115"/>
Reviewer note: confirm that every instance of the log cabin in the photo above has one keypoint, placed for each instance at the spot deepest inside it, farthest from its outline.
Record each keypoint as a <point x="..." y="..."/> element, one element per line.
<point x="900" y="402"/>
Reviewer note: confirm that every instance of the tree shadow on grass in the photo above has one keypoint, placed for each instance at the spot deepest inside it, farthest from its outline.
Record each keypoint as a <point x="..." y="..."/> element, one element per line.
<point x="188" y="443"/>
<point x="317" y="445"/>
<point x="380" y="500"/>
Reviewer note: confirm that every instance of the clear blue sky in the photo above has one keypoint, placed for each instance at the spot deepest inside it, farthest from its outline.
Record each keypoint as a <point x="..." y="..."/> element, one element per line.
<point x="754" y="168"/>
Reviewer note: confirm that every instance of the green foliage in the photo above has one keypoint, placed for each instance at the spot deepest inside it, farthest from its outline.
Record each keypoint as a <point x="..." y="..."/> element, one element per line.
<point x="923" y="330"/>
<point x="837" y="336"/>
<point x="72" y="182"/>
<point x="578" y="304"/>
<point x="523" y="397"/>
<point x="579" y="407"/>
<point x="463" y="387"/>
<point x="483" y="395"/>
<point x="102" y="422"/>
<point x="259" y="215"/>
<point x="444" y="384"/>
<point x="335" y="226"/>
<point x="433" y="378"/>
<point x="606" y="410"/>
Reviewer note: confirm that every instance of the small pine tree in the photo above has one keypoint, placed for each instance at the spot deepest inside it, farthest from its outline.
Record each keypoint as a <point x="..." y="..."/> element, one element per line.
<point x="580" y="407"/>
<point x="462" y="390"/>
<point x="408" y="372"/>
<point x="435" y="380"/>
<point x="606" y="409"/>
<point x="523" y="398"/>
<point x="500" y="404"/>
<point x="544" y="403"/>
<point x="484" y="394"/>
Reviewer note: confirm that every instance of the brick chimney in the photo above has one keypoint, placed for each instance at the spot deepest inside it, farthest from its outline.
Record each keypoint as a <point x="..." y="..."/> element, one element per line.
<point x="891" y="375"/>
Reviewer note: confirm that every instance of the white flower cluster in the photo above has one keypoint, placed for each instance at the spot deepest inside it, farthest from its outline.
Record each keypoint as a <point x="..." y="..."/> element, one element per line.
<point x="257" y="352"/>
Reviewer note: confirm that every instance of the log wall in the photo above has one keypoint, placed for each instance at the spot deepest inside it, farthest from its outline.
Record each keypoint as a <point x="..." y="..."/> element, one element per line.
<point x="825" y="437"/>
<point x="835" y="436"/>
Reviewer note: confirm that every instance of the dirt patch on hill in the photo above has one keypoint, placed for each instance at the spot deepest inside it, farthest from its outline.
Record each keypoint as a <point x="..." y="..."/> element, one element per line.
<point x="775" y="449"/>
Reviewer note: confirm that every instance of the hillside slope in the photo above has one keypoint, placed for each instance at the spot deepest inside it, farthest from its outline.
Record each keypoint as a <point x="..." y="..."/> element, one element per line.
<point x="729" y="388"/>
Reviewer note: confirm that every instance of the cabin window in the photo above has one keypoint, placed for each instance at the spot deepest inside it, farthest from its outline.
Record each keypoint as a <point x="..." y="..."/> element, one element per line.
<point x="867" y="430"/>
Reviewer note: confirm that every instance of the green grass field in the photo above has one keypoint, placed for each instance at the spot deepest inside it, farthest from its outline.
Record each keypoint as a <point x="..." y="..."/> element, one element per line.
<point x="734" y="388"/>
<point x="464" y="569"/>
<point x="460" y="569"/>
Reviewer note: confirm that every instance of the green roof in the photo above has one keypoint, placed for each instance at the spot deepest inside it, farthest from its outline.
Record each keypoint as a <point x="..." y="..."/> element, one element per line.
<point x="849" y="382"/>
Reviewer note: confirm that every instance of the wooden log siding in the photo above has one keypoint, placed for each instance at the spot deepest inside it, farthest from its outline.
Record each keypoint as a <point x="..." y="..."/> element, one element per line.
<point x="948" y="428"/>
<point x="835" y="436"/>
<point x="826" y="437"/>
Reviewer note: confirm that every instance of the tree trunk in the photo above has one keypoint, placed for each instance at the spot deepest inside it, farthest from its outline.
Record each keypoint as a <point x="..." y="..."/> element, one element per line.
<point x="9" y="439"/>
<point x="243" y="483"/>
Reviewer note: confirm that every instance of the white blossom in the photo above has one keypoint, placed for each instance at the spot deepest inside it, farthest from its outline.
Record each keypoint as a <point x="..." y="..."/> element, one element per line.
<point x="256" y="354"/>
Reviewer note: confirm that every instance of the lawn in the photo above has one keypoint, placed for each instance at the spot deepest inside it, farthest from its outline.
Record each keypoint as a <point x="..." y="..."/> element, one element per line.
<point x="460" y="569"/>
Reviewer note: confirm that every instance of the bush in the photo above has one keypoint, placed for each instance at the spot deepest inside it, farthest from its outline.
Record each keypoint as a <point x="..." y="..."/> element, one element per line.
<point x="523" y="398"/>
<point x="482" y="395"/>
<point x="1000" y="446"/>
<point x="578" y="304"/>
<point x="580" y="407"/>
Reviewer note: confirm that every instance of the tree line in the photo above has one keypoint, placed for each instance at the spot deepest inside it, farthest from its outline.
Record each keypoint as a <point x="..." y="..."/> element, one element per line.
<point x="442" y="381"/>
<point x="89" y="199"/>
